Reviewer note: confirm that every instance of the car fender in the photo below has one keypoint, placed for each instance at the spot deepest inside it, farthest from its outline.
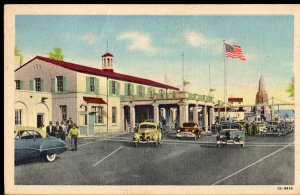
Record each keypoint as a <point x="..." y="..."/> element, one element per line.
<point x="137" y="136"/>
<point x="52" y="146"/>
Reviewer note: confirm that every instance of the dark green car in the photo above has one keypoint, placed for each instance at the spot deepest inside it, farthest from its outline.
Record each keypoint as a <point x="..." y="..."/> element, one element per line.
<point x="231" y="134"/>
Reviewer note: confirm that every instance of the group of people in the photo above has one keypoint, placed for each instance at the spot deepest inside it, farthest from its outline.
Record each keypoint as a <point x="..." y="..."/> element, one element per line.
<point x="67" y="129"/>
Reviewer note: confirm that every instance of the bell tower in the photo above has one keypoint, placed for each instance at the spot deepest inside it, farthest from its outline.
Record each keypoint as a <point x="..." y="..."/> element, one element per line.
<point x="107" y="62"/>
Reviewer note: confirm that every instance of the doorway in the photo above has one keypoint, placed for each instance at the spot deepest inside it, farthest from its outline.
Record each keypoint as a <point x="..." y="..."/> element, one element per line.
<point x="40" y="120"/>
<point x="91" y="123"/>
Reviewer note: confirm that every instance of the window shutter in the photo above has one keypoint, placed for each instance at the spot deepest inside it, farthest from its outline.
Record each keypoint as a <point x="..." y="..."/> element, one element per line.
<point x="154" y="90"/>
<point x="132" y="89"/>
<point x="64" y="84"/>
<point x="118" y="89"/>
<point x="126" y="89"/>
<point x="42" y="84"/>
<point x="110" y="87"/>
<point x="21" y="84"/>
<point x="97" y="86"/>
<point x="88" y="89"/>
<point x="52" y="84"/>
<point x="31" y="85"/>
<point x="143" y="90"/>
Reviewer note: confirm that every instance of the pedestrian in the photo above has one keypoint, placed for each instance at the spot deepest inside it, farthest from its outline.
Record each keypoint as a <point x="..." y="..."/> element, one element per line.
<point x="64" y="130"/>
<point x="74" y="134"/>
<point x="58" y="130"/>
<point x="69" y="124"/>
<point x="50" y="129"/>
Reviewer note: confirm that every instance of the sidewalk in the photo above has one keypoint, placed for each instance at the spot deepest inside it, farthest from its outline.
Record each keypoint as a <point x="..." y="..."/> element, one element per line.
<point x="103" y="134"/>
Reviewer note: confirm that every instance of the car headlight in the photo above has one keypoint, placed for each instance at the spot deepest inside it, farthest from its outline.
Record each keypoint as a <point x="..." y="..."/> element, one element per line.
<point x="178" y="131"/>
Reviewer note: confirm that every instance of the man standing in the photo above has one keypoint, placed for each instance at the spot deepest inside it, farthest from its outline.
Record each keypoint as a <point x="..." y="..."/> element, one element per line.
<point x="50" y="129"/>
<point x="69" y="124"/>
<point x="58" y="130"/>
<point x="64" y="131"/>
<point x="74" y="134"/>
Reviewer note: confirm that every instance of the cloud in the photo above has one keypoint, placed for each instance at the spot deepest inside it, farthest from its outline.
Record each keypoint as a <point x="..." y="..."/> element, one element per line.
<point x="211" y="44"/>
<point x="90" y="38"/>
<point x="138" y="41"/>
<point x="195" y="39"/>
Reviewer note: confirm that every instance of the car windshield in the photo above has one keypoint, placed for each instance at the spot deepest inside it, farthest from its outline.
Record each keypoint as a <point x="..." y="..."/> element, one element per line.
<point x="147" y="126"/>
<point x="189" y="124"/>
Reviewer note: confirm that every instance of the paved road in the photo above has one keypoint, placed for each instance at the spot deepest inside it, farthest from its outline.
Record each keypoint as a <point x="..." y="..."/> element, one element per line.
<point x="112" y="160"/>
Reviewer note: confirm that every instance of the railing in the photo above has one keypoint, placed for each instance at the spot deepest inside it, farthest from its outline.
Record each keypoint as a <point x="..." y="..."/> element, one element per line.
<point x="167" y="96"/>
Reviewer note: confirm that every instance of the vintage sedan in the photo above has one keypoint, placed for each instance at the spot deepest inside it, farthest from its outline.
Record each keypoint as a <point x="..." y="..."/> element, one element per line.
<point x="275" y="128"/>
<point x="31" y="142"/>
<point x="147" y="132"/>
<point x="189" y="129"/>
<point x="231" y="133"/>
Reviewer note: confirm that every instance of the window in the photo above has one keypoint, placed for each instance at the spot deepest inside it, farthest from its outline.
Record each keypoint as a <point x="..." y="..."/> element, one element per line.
<point x="113" y="87"/>
<point x="98" y="114"/>
<point x="129" y="89"/>
<point x="161" y="93"/>
<point x="92" y="84"/>
<point x="63" y="112"/>
<point x="151" y="92"/>
<point x="60" y="84"/>
<point x="18" y="117"/>
<point x="37" y="84"/>
<point x="140" y="91"/>
<point x="114" y="115"/>
<point x="18" y="84"/>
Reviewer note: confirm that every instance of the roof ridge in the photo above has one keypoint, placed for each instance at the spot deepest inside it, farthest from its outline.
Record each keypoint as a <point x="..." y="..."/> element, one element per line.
<point x="100" y="72"/>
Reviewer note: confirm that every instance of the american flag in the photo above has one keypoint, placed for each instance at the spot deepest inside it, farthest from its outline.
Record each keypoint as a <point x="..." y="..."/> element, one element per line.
<point x="234" y="51"/>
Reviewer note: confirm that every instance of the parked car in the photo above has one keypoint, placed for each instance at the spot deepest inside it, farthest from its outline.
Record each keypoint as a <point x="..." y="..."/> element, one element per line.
<point x="31" y="142"/>
<point x="148" y="132"/>
<point x="189" y="129"/>
<point x="275" y="128"/>
<point x="230" y="133"/>
<point x="261" y="126"/>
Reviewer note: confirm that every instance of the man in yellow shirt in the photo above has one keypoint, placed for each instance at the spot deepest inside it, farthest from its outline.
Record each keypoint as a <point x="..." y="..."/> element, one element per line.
<point x="74" y="134"/>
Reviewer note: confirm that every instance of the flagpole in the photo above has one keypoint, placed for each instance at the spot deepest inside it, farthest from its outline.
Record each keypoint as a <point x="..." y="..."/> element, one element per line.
<point x="183" y="82"/>
<point x="225" y="81"/>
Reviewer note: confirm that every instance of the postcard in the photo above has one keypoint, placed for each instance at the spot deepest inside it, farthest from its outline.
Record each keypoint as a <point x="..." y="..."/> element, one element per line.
<point x="151" y="99"/>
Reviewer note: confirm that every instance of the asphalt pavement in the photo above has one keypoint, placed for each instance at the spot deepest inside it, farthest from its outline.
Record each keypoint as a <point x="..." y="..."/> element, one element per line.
<point x="111" y="159"/>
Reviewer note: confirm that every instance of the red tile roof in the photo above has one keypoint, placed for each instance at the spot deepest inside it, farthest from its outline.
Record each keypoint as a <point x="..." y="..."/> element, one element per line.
<point x="94" y="100"/>
<point x="99" y="72"/>
<point x="107" y="54"/>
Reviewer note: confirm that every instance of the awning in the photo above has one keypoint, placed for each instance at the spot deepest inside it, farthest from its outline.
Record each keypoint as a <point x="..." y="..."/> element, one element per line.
<point x="94" y="100"/>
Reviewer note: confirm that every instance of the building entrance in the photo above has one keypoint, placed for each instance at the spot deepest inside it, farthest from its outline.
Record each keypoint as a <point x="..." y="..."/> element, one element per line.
<point x="40" y="120"/>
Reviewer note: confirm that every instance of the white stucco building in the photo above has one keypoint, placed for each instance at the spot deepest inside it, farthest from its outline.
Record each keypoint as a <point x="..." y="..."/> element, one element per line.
<point x="97" y="100"/>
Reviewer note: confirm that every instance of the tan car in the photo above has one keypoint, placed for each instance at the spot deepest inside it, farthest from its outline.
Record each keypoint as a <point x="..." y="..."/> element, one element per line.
<point x="147" y="132"/>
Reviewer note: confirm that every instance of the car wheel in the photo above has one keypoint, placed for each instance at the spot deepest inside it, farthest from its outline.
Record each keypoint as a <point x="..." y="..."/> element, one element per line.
<point x="155" y="144"/>
<point x="50" y="157"/>
<point x="218" y="146"/>
<point x="135" y="144"/>
<point x="242" y="145"/>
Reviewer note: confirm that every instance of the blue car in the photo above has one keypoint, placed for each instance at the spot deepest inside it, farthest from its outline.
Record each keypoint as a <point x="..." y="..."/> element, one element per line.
<point x="31" y="142"/>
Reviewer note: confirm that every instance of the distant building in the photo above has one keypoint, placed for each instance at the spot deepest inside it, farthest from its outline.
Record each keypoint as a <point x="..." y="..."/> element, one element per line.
<point x="261" y="95"/>
<point x="262" y="98"/>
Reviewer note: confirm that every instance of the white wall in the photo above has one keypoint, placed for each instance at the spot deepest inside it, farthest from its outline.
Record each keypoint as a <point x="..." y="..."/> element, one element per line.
<point x="31" y="105"/>
<point x="40" y="69"/>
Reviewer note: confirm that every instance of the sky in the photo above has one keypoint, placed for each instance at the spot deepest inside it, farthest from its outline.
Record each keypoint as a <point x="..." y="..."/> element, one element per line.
<point x="151" y="46"/>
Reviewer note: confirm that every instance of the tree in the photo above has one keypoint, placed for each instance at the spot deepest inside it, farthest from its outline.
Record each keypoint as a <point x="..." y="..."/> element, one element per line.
<point x="18" y="54"/>
<point x="56" y="54"/>
<point x="290" y="88"/>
